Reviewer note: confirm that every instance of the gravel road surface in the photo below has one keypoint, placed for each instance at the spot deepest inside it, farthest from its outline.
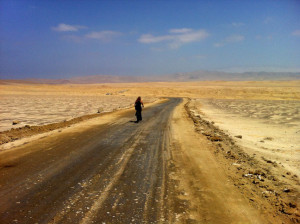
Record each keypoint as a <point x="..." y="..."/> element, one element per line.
<point x="111" y="173"/>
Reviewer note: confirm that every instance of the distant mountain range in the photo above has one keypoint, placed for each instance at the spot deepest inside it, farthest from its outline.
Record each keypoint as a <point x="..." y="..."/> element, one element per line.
<point x="178" y="77"/>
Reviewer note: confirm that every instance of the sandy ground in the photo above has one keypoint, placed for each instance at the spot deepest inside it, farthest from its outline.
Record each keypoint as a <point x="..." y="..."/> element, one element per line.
<point x="276" y="90"/>
<point x="109" y="169"/>
<point x="257" y="171"/>
<point x="202" y="180"/>
<point x="267" y="186"/>
<point x="44" y="104"/>
<point x="270" y="129"/>
<point x="46" y="109"/>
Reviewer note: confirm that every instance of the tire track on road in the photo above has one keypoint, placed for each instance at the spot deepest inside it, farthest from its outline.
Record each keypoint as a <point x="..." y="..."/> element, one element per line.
<point x="85" y="173"/>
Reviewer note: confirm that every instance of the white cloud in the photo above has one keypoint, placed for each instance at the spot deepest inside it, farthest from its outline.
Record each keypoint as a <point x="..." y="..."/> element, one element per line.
<point x="182" y="30"/>
<point x="192" y="36"/>
<point x="62" y="27"/>
<point x="296" y="33"/>
<point x="176" y="37"/>
<point x="237" y="24"/>
<point x="149" y="38"/>
<point x="231" y="39"/>
<point x="106" y="35"/>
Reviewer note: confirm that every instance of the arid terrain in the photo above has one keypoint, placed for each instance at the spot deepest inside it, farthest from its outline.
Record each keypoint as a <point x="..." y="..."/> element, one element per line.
<point x="268" y="128"/>
<point x="206" y="152"/>
<point x="45" y="109"/>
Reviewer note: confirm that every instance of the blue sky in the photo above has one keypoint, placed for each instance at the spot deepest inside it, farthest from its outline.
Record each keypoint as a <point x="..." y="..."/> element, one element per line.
<point x="61" y="39"/>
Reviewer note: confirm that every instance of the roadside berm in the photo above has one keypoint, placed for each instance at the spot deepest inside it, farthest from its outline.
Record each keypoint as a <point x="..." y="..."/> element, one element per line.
<point x="224" y="184"/>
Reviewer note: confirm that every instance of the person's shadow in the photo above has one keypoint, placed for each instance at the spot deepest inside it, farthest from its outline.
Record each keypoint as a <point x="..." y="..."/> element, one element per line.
<point x="134" y="121"/>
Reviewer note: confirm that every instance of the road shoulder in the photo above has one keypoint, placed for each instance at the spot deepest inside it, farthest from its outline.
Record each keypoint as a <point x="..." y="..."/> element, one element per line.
<point x="203" y="181"/>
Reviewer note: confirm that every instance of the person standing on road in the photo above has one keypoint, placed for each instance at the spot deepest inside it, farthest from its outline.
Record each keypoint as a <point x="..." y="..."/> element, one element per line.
<point x="138" y="108"/>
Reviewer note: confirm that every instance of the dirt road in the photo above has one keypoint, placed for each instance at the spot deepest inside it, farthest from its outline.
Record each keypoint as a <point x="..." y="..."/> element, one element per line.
<point x="121" y="172"/>
<point x="114" y="173"/>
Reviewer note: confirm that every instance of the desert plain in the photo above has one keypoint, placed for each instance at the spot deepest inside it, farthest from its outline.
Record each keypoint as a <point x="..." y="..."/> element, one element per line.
<point x="251" y="130"/>
<point x="43" y="104"/>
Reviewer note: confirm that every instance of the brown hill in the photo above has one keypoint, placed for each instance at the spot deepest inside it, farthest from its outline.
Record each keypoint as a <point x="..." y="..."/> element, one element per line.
<point x="178" y="77"/>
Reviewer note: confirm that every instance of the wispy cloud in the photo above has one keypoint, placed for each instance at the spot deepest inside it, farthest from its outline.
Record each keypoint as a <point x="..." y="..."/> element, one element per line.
<point x="182" y="30"/>
<point x="231" y="39"/>
<point x="235" y="24"/>
<point x="106" y="35"/>
<point x="175" y="37"/>
<point x="62" y="27"/>
<point x="296" y="33"/>
<point x="263" y="37"/>
<point x="149" y="38"/>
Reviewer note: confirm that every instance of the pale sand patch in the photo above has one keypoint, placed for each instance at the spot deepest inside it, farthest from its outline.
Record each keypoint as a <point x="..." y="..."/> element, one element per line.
<point x="276" y="90"/>
<point x="269" y="129"/>
<point x="46" y="109"/>
<point x="212" y="195"/>
<point x="39" y="104"/>
<point x="78" y="127"/>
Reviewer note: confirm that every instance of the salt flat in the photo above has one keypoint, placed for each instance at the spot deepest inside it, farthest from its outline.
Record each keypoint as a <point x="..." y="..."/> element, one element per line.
<point x="46" y="109"/>
<point x="270" y="129"/>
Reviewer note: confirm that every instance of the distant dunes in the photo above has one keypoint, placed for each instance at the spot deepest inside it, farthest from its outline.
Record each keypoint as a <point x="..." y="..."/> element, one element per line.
<point x="177" y="77"/>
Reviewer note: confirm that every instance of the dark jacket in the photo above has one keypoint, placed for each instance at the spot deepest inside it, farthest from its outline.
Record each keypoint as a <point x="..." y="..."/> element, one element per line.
<point x="138" y="105"/>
